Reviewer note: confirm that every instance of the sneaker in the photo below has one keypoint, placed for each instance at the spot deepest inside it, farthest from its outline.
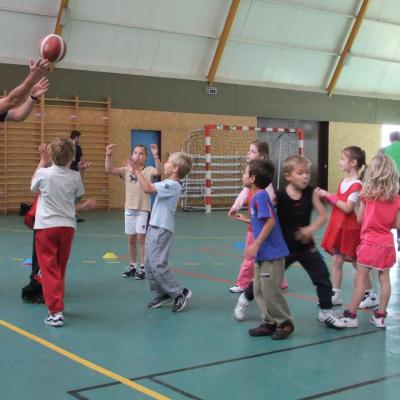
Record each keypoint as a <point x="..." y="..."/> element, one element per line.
<point x="241" y="307"/>
<point x="336" y="298"/>
<point x="379" y="319"/>
<point x="130" y="271"/>
<point x="370" y="300"/>
<point x="56" y="320"/>
<point x="140" y="273"/>
<point x="159" y="301"/>
<point x="331" y="319"/>
<point x="349" y="319"/>
<point x="283" y="332"/>
<point x="236" y="289"/>
<point x="181" y="300"/>
<point x="33" y="299"/>
<point x="262" y="330"/>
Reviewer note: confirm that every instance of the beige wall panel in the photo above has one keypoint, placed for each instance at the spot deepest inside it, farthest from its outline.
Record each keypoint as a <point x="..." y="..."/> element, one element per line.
<point x="341" y="135"/>
<point x="174" y="128"/>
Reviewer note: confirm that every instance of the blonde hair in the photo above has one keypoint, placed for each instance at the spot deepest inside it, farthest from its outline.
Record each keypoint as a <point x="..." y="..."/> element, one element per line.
<point x="62" y="151"/>
<point x="292" y="161"/>
<point x="183" y="161"/>
<point x="381" y="180"/>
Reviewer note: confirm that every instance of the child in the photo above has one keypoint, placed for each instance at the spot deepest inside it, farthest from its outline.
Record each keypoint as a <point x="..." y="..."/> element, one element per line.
<point x="58" y="187"/>
<point x="269" y="250"/>
<point x="163" y="283"/>
<point x="259" y="150"/>
<point x="32" y="292"/>
<point x="379" y="213"/>
<point x="294" y="207"/>
<point x="342" y="234"/>
<point x="137" y="202"/>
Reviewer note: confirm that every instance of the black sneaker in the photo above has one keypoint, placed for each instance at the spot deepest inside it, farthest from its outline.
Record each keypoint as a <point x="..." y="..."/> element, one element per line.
<point x="33" y="299"/>
<point x="140" y="274"/>
<point x="159" y="301"/>
<point x="131" y="271"/>
<point x="181" y="300"/>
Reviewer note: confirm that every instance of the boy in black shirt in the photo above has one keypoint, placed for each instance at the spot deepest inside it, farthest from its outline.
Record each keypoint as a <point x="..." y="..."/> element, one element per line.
<point x="294" y="207"/>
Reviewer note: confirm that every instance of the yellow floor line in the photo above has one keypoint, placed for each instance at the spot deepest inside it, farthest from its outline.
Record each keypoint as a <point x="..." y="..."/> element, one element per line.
<point x="85" y="363"/>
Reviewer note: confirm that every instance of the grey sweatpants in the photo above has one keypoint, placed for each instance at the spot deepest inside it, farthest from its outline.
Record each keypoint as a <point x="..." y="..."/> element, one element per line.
<point x="157" y="246"/>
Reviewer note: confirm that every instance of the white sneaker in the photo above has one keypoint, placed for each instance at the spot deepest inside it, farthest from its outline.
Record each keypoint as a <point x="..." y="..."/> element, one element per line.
<point x="348" y="321"/>
<point x="54" y="319"/>
<point x="241" y="307"/>
<point x="378" y="320"/>
<point x="236" y="289"/>
<point x="336" y="298"/>
<point x="331" y="319"/>
<point x="370" y="300"/>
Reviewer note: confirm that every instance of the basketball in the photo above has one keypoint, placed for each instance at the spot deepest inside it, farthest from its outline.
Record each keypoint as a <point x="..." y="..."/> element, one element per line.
<point x="52" y="47"/>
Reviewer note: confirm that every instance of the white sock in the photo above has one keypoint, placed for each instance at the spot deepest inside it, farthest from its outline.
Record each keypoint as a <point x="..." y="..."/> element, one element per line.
<point x="336" y="290"/>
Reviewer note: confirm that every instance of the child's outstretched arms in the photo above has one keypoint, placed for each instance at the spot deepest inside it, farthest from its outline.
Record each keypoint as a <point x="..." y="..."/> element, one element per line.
<point x="239" y="202"/>
<point x="85" y="205"/>
<point x="242" y="218"/>
<point x="154" y="151"/>
<point x="147" y="186"/>
<point x="346" y="206"/>
<point x="108" y="163"/>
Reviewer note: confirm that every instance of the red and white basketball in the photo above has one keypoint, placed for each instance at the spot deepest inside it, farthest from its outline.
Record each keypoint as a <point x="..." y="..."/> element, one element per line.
<point x="52" y="47"/>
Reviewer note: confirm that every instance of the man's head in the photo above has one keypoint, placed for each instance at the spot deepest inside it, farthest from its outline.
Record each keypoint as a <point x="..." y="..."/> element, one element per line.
<point x="75" y="136"/>
<point x="394" y="136"/>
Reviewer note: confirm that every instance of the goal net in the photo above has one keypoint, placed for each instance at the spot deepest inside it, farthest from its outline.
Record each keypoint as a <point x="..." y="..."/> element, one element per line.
<point x="219" y="159"/>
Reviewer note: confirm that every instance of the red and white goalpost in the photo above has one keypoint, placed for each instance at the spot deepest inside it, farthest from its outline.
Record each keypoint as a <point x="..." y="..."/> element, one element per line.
<point x="219" y="158"/>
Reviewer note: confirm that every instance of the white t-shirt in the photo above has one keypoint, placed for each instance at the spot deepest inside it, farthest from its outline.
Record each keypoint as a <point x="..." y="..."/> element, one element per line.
<point x="58" y="187"/>
<point x="344" y="186"/>
<point x="163" y="213"/>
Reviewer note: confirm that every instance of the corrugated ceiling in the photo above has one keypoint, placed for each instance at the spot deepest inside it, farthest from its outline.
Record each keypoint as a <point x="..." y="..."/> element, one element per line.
<point x="292" y="44"/>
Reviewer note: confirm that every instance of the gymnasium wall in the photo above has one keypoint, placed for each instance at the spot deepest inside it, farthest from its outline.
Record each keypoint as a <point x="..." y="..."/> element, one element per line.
<point x="176" y="106"/>
<point x="180" y="95"/>
<point x="341" y="135"/>
<point x="174" y="129"/>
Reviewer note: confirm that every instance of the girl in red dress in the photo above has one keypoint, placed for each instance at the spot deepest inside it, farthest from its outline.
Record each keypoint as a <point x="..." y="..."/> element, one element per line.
<point x="379" y="213"/>
<point x="342" y="235"/>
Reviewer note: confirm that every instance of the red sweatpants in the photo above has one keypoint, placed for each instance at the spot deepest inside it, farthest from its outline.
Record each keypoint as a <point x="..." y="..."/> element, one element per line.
<point x="53" y="246"/>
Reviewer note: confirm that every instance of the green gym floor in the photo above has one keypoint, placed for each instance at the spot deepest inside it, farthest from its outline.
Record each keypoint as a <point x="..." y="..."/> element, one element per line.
<point x="113" y="347"/>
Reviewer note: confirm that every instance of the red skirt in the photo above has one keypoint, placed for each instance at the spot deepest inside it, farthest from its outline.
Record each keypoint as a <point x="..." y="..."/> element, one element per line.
<point x="376" y="256"/>
<point x="343" y="240"/>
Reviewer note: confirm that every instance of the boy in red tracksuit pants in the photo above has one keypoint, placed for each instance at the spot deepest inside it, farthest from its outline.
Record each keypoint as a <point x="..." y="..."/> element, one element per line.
<point x="55" y="223"/>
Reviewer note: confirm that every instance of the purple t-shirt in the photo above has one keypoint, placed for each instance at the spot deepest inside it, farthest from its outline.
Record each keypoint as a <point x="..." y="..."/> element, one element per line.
<point x="274" y="245"/>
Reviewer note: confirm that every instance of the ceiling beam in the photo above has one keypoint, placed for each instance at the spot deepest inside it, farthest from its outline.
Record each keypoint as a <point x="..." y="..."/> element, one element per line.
<point x="59" y="28"/>
<point x="347" y="47"/>
<point x="222" y="41"/>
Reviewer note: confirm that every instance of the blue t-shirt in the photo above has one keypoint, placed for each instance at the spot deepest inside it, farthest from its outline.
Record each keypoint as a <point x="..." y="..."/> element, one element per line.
<point x="274" y="245"/>
<point x="163" y="212"/>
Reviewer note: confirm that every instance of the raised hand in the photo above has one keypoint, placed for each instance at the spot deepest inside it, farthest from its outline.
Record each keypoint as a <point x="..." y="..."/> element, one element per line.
<point x="45" y="156"/>
<point x="109" y="149"/>
<point x="40" y="88"/>
<point x="154" y="150"/>
<point x="39" y="68"/>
